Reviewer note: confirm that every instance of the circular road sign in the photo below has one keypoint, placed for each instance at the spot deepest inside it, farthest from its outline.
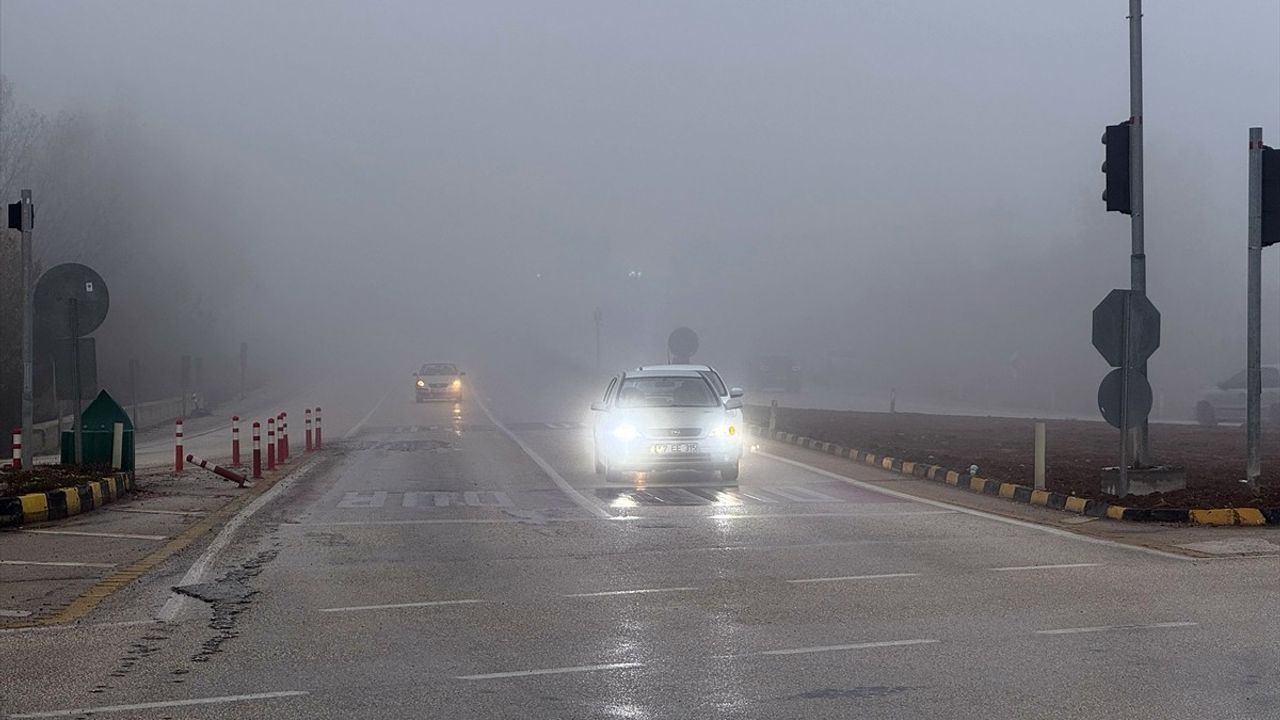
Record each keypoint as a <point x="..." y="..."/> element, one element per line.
<point x="683" y="343"/>
<point x="1139" y="398"/>
<point x="55" y="290"/>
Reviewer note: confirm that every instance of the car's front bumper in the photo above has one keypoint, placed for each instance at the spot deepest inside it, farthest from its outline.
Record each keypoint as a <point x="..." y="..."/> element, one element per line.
<point x="439" y="393"/>
<point x="639" y="456"/>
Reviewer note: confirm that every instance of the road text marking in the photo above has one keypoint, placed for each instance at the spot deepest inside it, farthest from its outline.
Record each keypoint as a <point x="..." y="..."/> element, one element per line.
<point x="429" y="603"/>
<point x="163" y="704"/>
<point x="552" y="671"/>
<point x="1105" y="628"/>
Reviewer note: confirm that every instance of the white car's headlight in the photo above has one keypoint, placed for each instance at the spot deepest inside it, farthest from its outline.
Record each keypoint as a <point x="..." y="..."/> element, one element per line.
<point x="626" y="431"/>
<point x="422" y="383"/>
<point x="725" y="430"/>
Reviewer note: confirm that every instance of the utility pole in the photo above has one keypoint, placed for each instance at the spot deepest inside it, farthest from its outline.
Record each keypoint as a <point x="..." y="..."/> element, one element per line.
<point x="1253" y="409"/>
<point x="27" y="218"/>
<point x="1138" y="258"/>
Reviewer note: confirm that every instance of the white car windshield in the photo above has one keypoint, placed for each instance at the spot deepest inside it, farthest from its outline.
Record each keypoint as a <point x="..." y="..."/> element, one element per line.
<point x="438" y="370"/>
<point x="666" y="392"/>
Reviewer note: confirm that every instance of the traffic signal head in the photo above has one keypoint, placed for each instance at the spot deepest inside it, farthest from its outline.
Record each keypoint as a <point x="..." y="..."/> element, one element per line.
<point x="1116" y="168"/>
<point x="1270" y="196"/>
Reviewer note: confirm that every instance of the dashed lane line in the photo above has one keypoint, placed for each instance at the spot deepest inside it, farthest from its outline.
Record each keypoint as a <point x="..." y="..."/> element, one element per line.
<point x="1108" y="628"/>
<point x="163" y="704"/>
<point x="1017" y="568"/>
<point x="838" y="648"/>
<point x="393" y="606"/>
<point x="841" y="578"/>
<point x="641" y="591"/>
<point x="553" y="671"/>
<point x="582" y="500"/>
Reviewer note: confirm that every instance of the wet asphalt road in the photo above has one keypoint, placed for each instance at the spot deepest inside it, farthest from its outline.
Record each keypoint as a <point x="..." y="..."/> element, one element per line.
<point x="431" y="568"/>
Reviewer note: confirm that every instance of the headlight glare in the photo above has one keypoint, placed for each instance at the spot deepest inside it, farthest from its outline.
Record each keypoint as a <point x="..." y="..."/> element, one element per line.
<point x="626" y="431"/>
<point x="422" y="383"/>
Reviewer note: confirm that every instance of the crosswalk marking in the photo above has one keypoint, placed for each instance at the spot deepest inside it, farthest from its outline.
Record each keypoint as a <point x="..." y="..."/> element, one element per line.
<point x="426" y="499"/>
<point x="718" y="496"/>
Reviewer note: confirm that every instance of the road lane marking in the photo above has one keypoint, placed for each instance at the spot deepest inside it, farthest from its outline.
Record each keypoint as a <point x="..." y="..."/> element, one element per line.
<point x="1015" y="568"/>
<point x="73" y="626"/>
<point x="15" y="613"/>
<point x="80" y="533"/>
<point x="553" y="671"/>
<point x="641" y="591"/>
<point x="442" y="521"/>
<point x="581" y="500"/>
<point x="970" y="511"/>
<point x="195" y="573"/>
<point x="1105" y="628"/>
<point x="163" y="704"/>
<point x="854" y="577"/>
<point x="44" y="563"/>
<point x="356" y="428"/>
<point x="159" y="512"/>
<point x="838" y="648"/>
<point x="752" y="516"/>
<point x="392" y="606"/>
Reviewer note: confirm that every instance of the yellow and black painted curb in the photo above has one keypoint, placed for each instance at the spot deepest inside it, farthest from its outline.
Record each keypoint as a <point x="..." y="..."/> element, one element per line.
<point x="63" y="502"/>
<point x="1024" y="494"/>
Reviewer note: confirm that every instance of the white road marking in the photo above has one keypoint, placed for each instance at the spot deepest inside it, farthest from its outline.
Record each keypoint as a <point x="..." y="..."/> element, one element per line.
<point x="553" y="671"/>
<point x="195" y="573"/>
<point x="392" y="606"/>
<point x="753" y="516"/>
<point x="582" y="500"/>
<point x="1015" y="568"/>
<point x="800" y="494"/>
<point x="356" y="428"/>
<point x="352" y="500"/>
<point x="158" y="512"/>
<point x="57" y="564"/>
<point x="163" y="704"/>
<point x="837" y="648"/>
<point x="970" y="511"/>
<point x="74" y="626"/>
<point x="79" y="533"/>
<point x="642" y="591"/>
<point x="854" y="577"/>
<point x="1105" y="628"/>
<point x="15" y="613"/>
<point x="443" y="521"/>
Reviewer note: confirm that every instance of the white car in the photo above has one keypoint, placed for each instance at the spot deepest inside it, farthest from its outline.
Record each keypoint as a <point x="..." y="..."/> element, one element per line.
<point x="725" y="392"/>
<point x="1226" y="401"/>
<point x="653" y="420"/>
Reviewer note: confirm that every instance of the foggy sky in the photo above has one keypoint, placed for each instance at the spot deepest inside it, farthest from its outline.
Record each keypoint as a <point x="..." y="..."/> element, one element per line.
<point x="913" y="187"/>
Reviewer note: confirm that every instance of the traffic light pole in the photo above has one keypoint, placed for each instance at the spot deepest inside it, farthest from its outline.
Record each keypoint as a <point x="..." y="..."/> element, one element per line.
<point x="1253" y="410"/>
<point x="1138" y="258"/>
<point x="28" y="331"/>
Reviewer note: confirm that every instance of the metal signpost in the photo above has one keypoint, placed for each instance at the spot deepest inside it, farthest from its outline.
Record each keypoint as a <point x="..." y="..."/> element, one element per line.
<point x="1138" y="258"/>
<point x="26" y="218"/>
<point x="1264" y="231"/>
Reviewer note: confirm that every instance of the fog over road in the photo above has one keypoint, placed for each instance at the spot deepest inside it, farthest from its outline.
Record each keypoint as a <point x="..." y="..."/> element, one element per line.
<point x="427" y="566"/>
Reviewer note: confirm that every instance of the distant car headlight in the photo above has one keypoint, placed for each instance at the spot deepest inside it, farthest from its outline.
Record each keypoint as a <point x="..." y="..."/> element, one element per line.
<point x="422" y="383"/>
<point x="457" y="384"/>
<point x="626" y="431"/>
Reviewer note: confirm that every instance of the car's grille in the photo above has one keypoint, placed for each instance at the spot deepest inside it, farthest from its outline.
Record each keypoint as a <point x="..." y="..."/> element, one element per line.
<point x="681" y="432"/>
<point x="437" y="386"/>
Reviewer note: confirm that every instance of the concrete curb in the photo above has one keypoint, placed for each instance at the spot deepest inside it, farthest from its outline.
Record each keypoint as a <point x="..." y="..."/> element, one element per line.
<point x="1024" y="494"/>
<point x="63" y="502"/>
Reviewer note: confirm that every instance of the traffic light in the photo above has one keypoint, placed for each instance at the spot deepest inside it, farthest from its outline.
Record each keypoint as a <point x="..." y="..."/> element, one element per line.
<point x="1116" y="168"/>
<point x="1270" y="196"/>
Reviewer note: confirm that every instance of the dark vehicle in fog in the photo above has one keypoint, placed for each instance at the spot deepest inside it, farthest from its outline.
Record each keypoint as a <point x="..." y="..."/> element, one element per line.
<point x="438" y="381"/>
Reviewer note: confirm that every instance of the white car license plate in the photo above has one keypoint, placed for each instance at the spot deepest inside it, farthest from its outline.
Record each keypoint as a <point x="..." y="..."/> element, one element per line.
<point x="675" y="448"/>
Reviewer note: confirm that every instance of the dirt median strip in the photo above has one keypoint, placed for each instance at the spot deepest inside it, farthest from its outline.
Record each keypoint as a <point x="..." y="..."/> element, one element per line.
<point x="1247" y="516"/>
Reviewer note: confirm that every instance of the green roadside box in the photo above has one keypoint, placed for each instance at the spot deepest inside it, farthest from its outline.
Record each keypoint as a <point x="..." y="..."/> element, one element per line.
<point x="97" y="424"/>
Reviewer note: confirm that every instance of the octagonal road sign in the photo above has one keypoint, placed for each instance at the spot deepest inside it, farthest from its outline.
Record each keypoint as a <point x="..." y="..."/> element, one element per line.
<point x="1108" y="327"/>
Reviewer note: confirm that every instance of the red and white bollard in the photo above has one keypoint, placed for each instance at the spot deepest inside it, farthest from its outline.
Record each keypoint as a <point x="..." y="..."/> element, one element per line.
<point x="280" y="438"/>
<point x="257" y="450"/>
<point x="177" y="447"/>
<point x="17" y="448"/>
<point x="308" y="423"/>
<point x="319" y="433"/>
<point x="271" y="443"/>
<point x="218" y="470"/>
<point x="235" y="441"/>
<point x="284" y="418"/>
